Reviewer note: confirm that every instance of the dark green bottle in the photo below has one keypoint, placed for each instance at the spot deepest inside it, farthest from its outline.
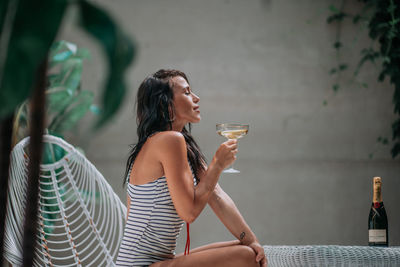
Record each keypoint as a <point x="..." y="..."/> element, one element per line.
<point x="377" y="220"/>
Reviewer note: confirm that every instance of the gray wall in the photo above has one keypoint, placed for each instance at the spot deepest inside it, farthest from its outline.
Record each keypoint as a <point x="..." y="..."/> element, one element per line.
<point x="306" y="174"/>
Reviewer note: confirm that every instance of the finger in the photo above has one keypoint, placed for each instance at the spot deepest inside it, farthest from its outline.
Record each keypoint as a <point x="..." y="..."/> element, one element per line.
<point x="260" y="256"/>
<point x="231" y="141"/>
<point x="232" y="147"/>
<point x="264" y="263"/>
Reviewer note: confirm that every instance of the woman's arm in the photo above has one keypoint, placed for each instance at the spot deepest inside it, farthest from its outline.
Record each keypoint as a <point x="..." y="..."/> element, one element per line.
<point x="226" y="210"/>
<point x="188" y="200"/>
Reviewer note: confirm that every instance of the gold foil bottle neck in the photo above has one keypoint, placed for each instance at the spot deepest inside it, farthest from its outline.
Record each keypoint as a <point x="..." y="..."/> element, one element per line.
<point x="377" y="185"/>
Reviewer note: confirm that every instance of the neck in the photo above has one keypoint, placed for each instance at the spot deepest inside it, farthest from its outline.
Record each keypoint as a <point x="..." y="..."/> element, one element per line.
<point x="176" y="126"/>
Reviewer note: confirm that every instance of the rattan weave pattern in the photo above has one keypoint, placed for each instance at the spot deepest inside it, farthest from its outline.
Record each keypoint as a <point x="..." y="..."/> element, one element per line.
<point x="332" y="255"/>
<point x="80" y="219"/>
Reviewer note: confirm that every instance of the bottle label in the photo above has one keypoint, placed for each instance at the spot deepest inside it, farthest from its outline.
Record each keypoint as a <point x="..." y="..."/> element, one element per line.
<point x="377" y="235"/>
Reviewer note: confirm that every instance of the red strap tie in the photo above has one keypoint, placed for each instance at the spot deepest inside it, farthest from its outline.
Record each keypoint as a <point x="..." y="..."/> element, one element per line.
<point x="187" y="246"/>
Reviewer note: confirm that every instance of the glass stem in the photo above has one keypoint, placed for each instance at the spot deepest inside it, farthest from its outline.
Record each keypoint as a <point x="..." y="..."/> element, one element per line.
<point x="231" y="167"/>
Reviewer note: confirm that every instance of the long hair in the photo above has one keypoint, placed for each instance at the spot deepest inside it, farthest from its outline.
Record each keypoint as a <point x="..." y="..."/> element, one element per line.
<point x="154" y="102"/>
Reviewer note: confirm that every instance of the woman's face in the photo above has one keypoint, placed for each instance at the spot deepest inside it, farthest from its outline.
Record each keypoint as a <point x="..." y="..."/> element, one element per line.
<point x="185" y="102"/>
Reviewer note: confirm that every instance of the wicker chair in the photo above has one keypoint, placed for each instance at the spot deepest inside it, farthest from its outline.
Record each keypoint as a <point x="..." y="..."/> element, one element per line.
<point x="80" y="220"/>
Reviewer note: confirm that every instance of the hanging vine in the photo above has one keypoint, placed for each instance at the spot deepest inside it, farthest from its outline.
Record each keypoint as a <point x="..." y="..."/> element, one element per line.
<point x="382" y="18"/>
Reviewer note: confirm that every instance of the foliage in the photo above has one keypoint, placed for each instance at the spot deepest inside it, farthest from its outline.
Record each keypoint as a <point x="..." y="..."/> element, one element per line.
<point x="29" y="30"/>
<point x="66" y="103"/>
<point x="382" y="18"/>
<point x="30" y="33"/>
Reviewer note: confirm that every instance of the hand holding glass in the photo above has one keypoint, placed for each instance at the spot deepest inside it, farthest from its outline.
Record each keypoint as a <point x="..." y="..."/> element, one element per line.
<point x="232" y="131"/>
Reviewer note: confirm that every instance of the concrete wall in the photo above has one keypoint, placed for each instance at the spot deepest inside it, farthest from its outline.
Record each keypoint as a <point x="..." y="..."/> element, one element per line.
<point x="306" y="174"/>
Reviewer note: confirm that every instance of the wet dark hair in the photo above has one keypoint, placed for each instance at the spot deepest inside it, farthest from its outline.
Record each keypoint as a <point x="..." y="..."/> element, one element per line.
<point x="154" y="102"/>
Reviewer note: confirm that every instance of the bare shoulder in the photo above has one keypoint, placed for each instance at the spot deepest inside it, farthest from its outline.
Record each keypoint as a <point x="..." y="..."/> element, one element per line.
<point x="170" y="149"/>
<point x="169" y="140"/>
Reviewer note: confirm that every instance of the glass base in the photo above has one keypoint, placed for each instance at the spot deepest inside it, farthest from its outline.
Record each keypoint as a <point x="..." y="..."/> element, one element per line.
<point x="231" y="170"/>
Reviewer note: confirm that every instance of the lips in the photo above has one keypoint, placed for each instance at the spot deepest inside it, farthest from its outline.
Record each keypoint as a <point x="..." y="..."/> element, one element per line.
<point x="196" y="108"/>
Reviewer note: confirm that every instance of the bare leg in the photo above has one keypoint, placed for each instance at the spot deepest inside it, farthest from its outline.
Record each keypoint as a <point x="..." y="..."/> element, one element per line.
<point x="231" y="255"/>
<point x="213" y="245"/>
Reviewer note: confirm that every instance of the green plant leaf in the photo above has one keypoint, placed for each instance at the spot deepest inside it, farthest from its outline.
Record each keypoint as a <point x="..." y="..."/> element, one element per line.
<point x="52" y="153"/>
<point x="396" y="102"/>
<point x="356" y="19"/>
<point x="335" y="87"/>
<point x="119" y="50"/>
<point x="62" y="51"/>
<point x="396" y="129"/>
<point x="73" y="74"/>
<point x="333" y="9"/>
<point x="60" y="57"/>
<point x="383" y="25"/>
<point x="391" y="8"/>
<point x="381" y="76"/>
<point x="58" y="100"/>
<point x="367" y="55"/>
<point x="30" y="39"/>
<point x="343" y="66"/>
<point x="337" y="45"/>
<point x="336" y="17"/>
<point x="391" y="34"/>
<point x="83" y="53"/>
<point x="4" y="4"/>
<point x="386" y="60"/>
<point x="64" y="98"/>
<point x="95" y="109"/>
<point x="395" y="150"/>
<point x="52" y="79"/>
<point x="69" y="76"/>
<point x="59" y="47"/>
<point x="394" y="22"/>
<point x="68" y="120"/>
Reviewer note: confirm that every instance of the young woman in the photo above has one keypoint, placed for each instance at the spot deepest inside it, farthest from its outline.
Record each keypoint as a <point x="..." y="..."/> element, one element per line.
<point x="169" y="183"/>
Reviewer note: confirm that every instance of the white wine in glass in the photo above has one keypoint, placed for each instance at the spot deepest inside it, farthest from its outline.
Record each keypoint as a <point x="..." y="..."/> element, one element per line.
<point x="232" y="131"/>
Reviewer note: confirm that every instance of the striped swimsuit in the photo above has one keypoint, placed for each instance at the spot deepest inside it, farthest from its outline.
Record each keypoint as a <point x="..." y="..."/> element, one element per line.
<point x="152" y="227"/>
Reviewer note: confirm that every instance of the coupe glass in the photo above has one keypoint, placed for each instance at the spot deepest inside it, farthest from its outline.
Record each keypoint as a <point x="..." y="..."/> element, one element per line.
<point x="232" y="131"/>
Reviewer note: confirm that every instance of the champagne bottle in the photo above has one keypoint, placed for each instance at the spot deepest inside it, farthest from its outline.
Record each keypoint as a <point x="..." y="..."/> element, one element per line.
<point x="377" y="220"/>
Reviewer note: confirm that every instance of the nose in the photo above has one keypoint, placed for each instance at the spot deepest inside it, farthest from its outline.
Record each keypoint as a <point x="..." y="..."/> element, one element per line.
<point x="196" y="99"/>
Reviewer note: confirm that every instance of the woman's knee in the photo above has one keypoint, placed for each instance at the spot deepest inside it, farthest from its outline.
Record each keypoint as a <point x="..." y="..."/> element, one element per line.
<point x="248" y="255"/>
